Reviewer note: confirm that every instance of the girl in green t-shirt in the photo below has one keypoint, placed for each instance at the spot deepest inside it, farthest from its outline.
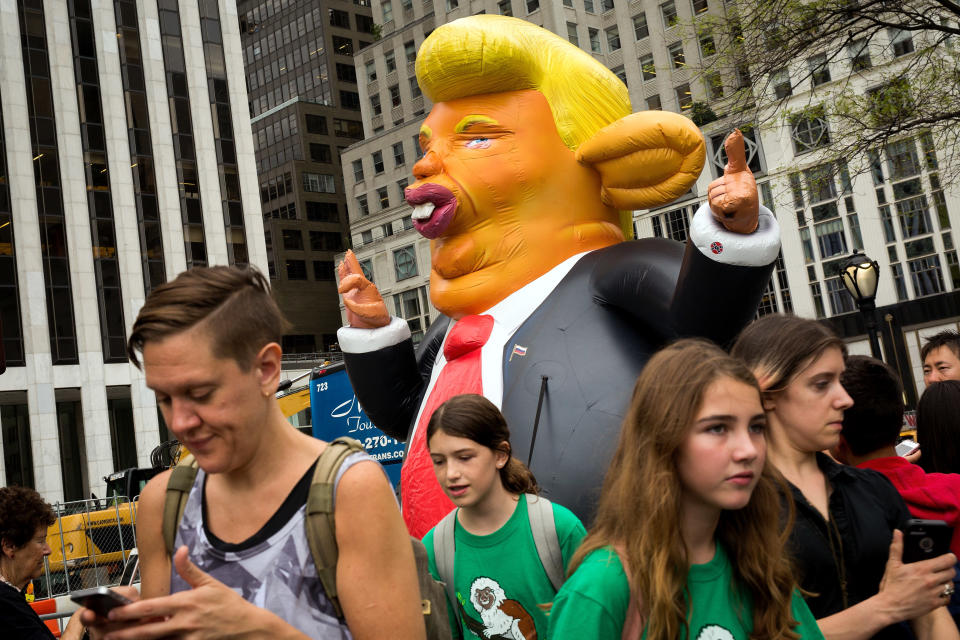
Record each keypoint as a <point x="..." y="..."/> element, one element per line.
<point x="686" y="542"/>
<point x="499" y="582"/>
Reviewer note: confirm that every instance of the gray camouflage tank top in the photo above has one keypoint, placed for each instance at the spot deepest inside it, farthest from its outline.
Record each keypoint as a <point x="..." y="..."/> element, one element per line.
<point x="273" y="569"/>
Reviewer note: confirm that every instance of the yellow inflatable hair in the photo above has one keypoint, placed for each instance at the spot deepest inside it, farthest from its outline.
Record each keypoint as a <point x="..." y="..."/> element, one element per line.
<point x="492" y="54"/>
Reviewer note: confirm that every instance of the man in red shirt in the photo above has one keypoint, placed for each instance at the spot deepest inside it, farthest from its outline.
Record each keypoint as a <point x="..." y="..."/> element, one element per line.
<point x="870" y="431"/>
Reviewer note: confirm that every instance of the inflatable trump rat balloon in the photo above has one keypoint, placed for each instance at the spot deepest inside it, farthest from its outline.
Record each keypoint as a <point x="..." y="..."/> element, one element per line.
<point x="532" y="162"/>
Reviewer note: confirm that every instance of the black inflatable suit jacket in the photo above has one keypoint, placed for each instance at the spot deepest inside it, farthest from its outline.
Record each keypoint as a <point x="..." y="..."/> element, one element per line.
<point x="589" y="339"/>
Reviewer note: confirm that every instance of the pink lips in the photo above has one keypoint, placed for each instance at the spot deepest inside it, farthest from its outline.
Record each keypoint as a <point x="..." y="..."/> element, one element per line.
<point x="444" y="202"/>
<point x="742" y="479"/>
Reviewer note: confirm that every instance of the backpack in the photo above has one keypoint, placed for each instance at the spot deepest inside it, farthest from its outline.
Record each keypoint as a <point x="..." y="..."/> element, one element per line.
<point x="320" y="530"/>
<point x="542" y="525"/>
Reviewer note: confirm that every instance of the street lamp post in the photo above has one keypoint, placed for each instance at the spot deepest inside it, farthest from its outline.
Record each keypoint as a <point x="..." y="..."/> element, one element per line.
<point x="859" y="274"/>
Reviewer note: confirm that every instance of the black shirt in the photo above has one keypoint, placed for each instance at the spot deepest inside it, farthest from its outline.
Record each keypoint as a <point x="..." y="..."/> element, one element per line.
<point x="842" y="561"/>
<point x="17" y="620"/>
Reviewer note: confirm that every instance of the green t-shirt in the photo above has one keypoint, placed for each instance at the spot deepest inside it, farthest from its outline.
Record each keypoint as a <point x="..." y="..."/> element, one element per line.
<point x="593" y="602"/>
<point x="499" y="579"/>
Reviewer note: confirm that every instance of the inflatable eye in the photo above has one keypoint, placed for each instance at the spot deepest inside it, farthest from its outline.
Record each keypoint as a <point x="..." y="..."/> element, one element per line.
<point x="478" y="143"/>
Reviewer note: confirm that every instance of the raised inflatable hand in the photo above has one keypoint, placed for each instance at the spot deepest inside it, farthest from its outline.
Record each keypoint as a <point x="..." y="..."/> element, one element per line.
<point x="365" y="306"/>
<point x="733" y="196"/>
<point x="646" y="159"/>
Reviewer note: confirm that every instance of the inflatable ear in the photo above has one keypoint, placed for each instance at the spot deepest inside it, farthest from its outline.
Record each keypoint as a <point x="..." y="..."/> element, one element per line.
<point x="645" y="159"/>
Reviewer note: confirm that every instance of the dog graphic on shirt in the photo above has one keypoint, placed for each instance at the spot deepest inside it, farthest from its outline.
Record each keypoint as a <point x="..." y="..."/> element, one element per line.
<point x="503" y="619"/>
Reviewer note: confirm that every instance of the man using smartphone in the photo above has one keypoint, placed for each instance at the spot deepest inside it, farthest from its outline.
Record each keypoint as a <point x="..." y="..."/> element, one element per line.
<point x="869" y="437"/>
<point x="209" y="342"/>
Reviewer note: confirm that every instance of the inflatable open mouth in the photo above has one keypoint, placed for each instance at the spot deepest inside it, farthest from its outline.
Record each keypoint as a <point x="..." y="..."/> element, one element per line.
<point x="433" y="208"/>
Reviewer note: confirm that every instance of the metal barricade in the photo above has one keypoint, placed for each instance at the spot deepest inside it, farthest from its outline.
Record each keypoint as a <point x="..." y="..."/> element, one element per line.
<point x="90" y="542"/>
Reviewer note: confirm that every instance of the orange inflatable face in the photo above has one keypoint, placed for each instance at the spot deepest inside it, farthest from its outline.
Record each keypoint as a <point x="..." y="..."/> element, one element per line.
<point x="502" y="199"/>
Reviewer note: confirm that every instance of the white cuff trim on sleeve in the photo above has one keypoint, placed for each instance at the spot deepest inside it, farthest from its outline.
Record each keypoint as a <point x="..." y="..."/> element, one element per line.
<point x="755" y="249"/>
<point x="356" y="340"/>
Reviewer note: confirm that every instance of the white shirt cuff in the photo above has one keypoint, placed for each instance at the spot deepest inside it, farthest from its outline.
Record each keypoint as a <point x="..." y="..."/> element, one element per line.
<point x="756" y="249"/>
<point x="356" y="340"/>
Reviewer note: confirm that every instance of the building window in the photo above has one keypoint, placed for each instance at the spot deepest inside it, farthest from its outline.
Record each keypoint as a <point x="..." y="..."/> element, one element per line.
<point x="819" y="69"/>
<point x="714" y="85"/>
<point x="902" y="159"/>
<point x="606" y="5"/>
<point x="901" y="41"/>
<point x="378" y="162"/>
<point x="640" y="28"/>
<point x="17" y="450"/>
<point x="653" y="102"/>
<point x="323" y="270"/>
<point x="390" y="59"/>
<point x="594" y="36"/>
<point x="296" y="269"/>
<point x="912" y="208"/>
<point x="588" y="6"/>
<point x="346" y="73"/>
<point x="363" y="206"/>
<point x="410" y="51"/>
<point x="292" y="239"/>
<point x="358" y="171"/>
<point x="318" y="183"/>
<point x="781" y="83"/>
<point x="533" y="5"/>
<point x="572" y="34"/>
<point x="407" y="223"/>
<point x="809" y="130"/>
<point x="415" y="87"/>
<point x="405" y="262"/>
<point x="342" y="47"/>
<point x="320" y="153"/>
<point x="676" y="55"/>
<point x="621" y="73"/>
<point x="707" y="45"/>
<point x="398" y="157"/>
<point x="718" y="155"/>
<point x="386" y="9"/>
<point x="926" y="275"/>
<point x="859" y="52"/>
<point x="669" y="12"/>
<point x="350" y="100"/>
<point x="375" y="104"/>
<point x="613" y="38"/>
<point x="453" y="4"/>
<point x="339" y="18"/>
<point x="348" y="128"/>
<point x="316" y="124"/>
<point x="684" y="96"/>
<point x="504" y="8"/>
<point x="699" y="6"/>
<point x="384" y="197"/>
<point x="366" y="266"/>
<point x="366" y="237"/>
<point x="387" y="229"/>
<point x="647" y="67"/>
<point x="371" y="67"/>
<point x="402" y="188"/>
<point x="395" y="95"/>
<point x="322" y="211"/>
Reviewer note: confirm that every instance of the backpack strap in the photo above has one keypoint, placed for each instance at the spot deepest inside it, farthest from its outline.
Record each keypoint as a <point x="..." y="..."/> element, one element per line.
<point x="444" y="551"/>
<point x="178" y="491"/>
<point x="544" y="529"/>
<point x="319" y="520"/>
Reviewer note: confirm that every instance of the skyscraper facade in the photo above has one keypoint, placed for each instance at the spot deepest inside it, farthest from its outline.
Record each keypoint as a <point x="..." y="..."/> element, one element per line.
<point x="126" y="156"/>
<point x="305" y="109"/>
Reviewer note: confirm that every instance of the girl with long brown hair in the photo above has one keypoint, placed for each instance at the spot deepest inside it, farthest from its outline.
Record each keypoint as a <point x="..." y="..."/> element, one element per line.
<point x="686" y="542"/>
<point x="504" y="573"/>
<point x="844" y="538"/>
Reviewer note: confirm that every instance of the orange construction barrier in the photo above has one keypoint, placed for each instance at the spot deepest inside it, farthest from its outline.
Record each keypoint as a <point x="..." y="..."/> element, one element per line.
<point x="48" y="605"/>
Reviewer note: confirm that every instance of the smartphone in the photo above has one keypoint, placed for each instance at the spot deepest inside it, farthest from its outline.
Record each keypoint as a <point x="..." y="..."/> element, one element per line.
<point x="906" y="447"/>
<point x="924" y="539"/>
<point x="100" y="600"/>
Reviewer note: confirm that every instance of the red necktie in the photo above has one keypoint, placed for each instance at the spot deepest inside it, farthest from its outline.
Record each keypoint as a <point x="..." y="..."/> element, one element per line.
<point x="424" y="502"/>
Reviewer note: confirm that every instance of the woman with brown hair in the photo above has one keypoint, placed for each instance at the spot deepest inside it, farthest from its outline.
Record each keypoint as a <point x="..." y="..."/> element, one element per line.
<point x="845" y="518"/>
<point x="501" y="578"/>
<point x="687" y="542"/>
